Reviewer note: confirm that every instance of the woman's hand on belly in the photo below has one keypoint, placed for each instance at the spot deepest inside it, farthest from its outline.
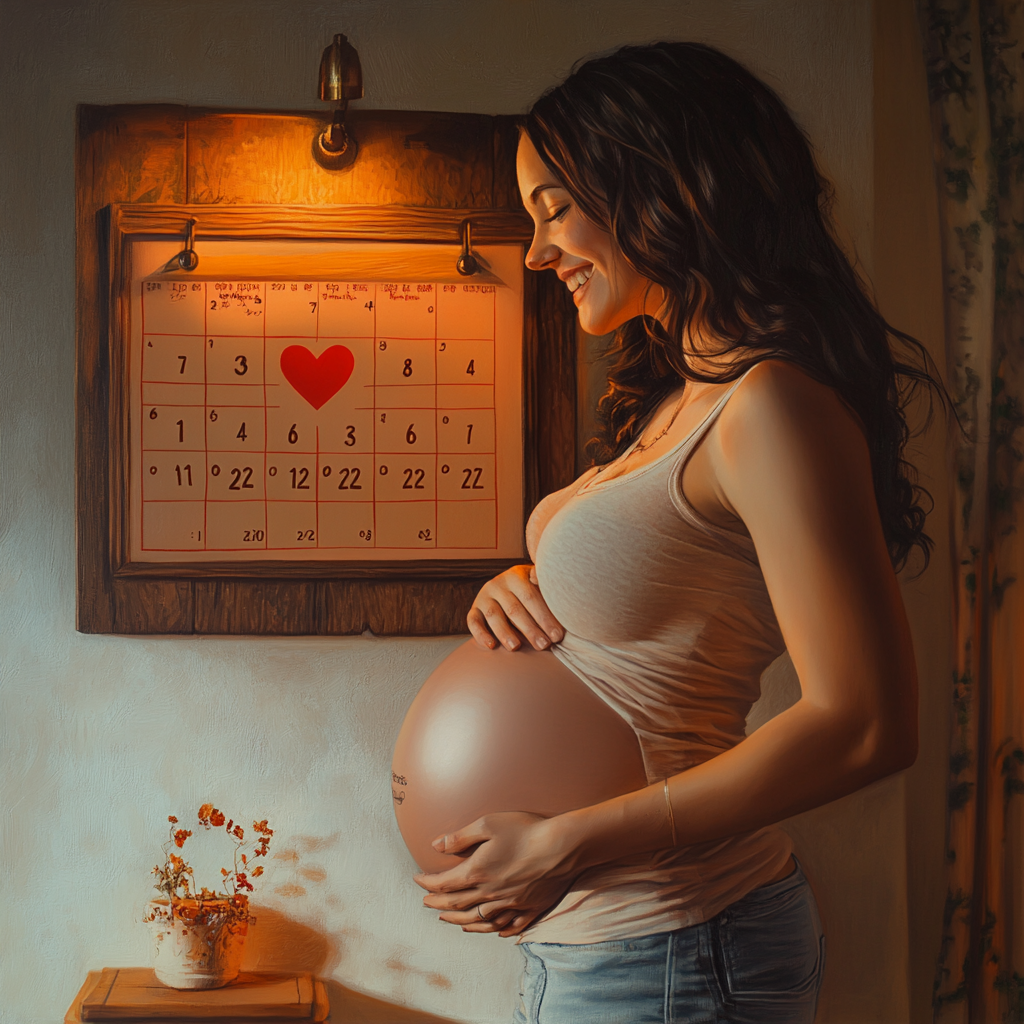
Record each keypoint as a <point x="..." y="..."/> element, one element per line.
<point x="510" y="602"/>
<point x="522" y="866"/>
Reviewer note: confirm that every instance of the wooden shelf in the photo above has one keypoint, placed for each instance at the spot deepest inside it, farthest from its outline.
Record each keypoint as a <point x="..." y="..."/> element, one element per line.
<point x="133" y="994"/>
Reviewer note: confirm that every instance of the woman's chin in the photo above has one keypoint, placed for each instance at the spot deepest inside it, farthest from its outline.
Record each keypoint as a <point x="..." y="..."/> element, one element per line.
<point x="597" y="325"/>
<point x="596" y="317"/>
<point x="592" y="321"/>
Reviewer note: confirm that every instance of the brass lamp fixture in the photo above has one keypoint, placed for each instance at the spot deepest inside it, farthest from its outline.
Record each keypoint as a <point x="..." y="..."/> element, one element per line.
<point x="341" y="80"/>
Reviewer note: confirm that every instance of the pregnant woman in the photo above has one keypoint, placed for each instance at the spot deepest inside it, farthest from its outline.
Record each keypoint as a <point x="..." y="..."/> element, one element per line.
<point x="748" y="496"/>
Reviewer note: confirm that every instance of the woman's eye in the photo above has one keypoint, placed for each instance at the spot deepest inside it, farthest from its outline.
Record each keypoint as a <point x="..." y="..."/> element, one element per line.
<point x="558" y="214"/>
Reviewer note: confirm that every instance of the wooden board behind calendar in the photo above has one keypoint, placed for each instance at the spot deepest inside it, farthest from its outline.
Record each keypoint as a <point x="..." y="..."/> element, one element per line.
<point x="266" y="214"/>
<point x="351" y="416"/>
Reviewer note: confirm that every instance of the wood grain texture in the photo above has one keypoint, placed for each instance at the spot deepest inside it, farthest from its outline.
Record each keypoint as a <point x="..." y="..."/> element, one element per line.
<point x="369" y="223"/>
<point x="425" y="568"/>
<point x="152" y="606"/>
<point x="398" y="607"/>
<point x="506" y="186"/>
<point x="122" y="154"/>
<point x="259" y="607"/>
<point x="347" y="1006"/>
<point x="549" y="414"/>
<point x="405" y="158"/>
<point x="418" y="175"/>
<point x="135" y="994"/>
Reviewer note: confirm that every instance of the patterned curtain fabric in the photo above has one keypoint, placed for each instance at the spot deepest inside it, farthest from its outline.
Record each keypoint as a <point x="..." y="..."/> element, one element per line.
<point x="975" y="56"/>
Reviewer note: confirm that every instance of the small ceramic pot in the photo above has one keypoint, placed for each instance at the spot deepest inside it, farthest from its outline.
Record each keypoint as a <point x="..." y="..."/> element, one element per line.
<point x="198" y="943"/>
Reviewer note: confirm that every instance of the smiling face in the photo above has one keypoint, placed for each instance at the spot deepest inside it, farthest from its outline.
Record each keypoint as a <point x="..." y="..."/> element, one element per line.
<point x="606" y="289"/>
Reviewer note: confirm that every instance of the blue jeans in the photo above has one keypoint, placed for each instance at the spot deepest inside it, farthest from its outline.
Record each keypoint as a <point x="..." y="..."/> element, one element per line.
<point x="760" y="961"/>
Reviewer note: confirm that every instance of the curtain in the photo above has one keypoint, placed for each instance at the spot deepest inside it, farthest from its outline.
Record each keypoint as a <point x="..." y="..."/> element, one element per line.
<point x="974" y="51"/>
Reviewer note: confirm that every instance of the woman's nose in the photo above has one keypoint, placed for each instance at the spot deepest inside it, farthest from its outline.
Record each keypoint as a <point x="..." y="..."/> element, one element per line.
<point x="541" y="255"/>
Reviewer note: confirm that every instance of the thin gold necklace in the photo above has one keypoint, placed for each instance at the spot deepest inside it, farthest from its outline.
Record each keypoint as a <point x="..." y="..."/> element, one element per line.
<point x="641" y="447"/>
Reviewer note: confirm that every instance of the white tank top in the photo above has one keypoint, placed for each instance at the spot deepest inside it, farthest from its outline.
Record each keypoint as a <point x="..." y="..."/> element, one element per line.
<point x="668" y="620"/>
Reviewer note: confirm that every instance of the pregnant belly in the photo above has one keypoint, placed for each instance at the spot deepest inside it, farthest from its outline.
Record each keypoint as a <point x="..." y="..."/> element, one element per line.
<point x="504" y="731"/>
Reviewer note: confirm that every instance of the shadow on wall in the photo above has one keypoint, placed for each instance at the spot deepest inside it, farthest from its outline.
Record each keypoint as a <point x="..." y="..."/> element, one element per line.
<point x="356" y="1008"/>
<point x="278" y="943"/>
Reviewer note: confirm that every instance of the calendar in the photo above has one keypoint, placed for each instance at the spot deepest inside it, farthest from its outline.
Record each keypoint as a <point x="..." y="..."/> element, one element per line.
<point x="299" y="400"/>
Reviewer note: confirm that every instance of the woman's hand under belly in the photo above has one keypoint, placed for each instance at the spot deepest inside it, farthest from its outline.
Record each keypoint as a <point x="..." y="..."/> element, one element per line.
<point x="522" y="866"/>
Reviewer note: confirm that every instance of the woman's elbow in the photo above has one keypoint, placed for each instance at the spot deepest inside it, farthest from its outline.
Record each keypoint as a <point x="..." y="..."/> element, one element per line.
<point x="889" y="747"/>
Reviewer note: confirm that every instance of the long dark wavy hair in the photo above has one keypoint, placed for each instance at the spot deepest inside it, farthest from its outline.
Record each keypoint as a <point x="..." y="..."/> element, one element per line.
<point x="710" y="189"/>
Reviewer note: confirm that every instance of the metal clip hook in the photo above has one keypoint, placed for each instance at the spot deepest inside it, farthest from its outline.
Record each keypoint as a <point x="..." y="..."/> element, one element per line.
<point x="188" y="258"/>
<point x="467" y="264"/>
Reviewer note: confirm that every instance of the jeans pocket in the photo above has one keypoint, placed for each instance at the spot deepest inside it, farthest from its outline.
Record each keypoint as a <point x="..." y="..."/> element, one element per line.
<point x="531" y="988"/>
<point x="771" y="950"/>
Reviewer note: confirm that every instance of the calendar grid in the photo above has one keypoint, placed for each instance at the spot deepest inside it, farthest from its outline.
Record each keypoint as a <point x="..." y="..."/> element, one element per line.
<point x="374" y="405"/>
<point x="316" y="460"/>
<point x="206" y="431"/>
<point x="266" y="508"/>
<point x="497" y="504"/>
<point x="142" y="377"/>
<point x="373" y="420"/>
<point x="435" y="424"/>
<point x="266" y="406"/>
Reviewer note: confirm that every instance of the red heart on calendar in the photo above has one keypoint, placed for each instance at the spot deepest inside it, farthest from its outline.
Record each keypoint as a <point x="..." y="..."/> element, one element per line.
<point x="317" y="378"/>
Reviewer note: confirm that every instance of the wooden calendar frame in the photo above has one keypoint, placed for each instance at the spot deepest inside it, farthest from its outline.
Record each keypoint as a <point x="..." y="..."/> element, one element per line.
<point x="255" y="223"/>
<point x="312" y="596"/>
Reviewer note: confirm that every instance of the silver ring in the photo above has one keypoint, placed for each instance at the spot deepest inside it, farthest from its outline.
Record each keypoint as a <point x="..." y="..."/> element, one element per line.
<point x="480" y="911"/>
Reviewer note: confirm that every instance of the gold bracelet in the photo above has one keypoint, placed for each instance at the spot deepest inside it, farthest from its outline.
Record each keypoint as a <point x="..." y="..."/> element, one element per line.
<point x="671" y="816"/>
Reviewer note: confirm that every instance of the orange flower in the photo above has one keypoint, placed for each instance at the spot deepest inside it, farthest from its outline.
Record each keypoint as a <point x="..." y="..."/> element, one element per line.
<point x="238" y="832"/>
<point x="204" y="813"/>
<point x="242" y="882"/>
<point x="216" y="818"/>
<point x="172" y="819"/>
<point x="257" y="871"/>
<point x="180" y="836"/>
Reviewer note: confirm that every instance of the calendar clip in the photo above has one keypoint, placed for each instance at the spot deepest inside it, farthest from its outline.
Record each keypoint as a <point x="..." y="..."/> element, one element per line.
<point x="467" y="264"/>
<point x="188" y="258"/>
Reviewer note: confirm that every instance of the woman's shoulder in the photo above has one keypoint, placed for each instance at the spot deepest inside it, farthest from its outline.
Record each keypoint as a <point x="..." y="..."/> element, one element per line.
<point x="778" y="408"/>
<point x="780" y="380"/>
<point x="780" y="391"/>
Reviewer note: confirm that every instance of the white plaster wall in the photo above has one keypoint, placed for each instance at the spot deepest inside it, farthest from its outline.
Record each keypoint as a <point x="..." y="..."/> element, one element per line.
<point x="105" y="736"/>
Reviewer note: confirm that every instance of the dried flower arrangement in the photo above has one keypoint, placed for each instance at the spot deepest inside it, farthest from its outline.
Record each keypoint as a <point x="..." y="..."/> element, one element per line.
<point x="207" y="927"/>
<point x="175" y="879"/>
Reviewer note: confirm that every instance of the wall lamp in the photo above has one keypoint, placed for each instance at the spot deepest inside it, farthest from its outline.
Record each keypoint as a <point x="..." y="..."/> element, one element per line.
<point x="341" y="80"/>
